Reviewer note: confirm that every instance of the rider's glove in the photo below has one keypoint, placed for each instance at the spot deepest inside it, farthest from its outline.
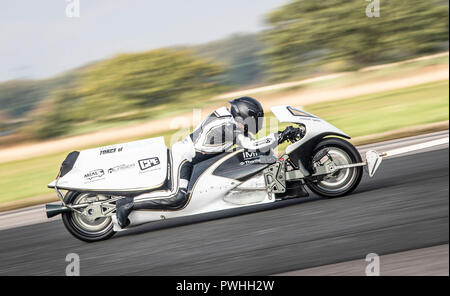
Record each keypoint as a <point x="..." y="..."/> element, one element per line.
<point x="290" y="133"/>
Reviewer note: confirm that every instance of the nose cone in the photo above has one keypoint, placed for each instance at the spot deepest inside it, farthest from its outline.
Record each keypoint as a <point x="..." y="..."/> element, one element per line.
<point x="51" y="184"/>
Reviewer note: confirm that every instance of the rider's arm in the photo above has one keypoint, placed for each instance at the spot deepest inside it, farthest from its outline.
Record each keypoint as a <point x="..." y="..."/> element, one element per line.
<point x="263" y="144"/>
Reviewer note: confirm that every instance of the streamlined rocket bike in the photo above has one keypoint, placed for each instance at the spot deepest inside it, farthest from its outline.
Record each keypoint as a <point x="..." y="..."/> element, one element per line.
<point x="319" y="157"/>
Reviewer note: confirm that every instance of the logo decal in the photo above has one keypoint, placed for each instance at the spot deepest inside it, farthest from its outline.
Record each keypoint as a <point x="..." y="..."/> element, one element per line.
<point x="94" y="174"/>
<point x="250" y="157"/>
<point x="262" y="142"/>
<point x="148" y="163"/>
<point x="104" y="151"/>
<point x="120" y="167"/>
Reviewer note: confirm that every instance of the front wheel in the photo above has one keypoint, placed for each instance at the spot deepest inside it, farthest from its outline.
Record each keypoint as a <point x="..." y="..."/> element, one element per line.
<point x="343" y="181"/>
<point x="89" y="230"/>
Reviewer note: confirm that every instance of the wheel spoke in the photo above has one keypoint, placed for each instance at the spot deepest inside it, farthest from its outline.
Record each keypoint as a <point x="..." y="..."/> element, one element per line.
<point x="92" y="219"/>
<point x="340" y="179"/>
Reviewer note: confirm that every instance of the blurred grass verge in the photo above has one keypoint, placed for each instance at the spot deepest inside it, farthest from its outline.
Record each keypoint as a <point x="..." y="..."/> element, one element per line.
<point x="370" y="118"/>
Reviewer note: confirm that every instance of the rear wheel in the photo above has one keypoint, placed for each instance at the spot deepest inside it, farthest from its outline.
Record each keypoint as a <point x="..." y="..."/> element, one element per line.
<point x="340" y="182"/>
<point x="81" y="226"/>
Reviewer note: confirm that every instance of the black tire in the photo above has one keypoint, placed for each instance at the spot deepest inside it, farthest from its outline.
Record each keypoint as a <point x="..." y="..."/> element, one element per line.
<point x="354" y="174"/>
<point x="70" y="222"/>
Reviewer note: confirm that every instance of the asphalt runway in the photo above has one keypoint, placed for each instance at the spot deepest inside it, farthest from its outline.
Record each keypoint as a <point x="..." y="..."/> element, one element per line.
<point x="404" y="207"/>
<point x="419" y="262"/>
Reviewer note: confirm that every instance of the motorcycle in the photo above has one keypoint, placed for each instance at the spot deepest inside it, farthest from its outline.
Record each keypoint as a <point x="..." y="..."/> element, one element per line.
<point x="318" y="157"/>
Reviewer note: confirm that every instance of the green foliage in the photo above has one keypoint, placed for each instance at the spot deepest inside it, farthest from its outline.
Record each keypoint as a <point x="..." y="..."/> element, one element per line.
<point x="142" y="80"/>
<point x="307" y="34"/>
<point x="50" y="125"/>
<point x="242" y="55"/>
<point x="122" y="88"/>
<point x="55" y="116"/>
<point x="3" y="124"/>
<point x="18" y="97"/>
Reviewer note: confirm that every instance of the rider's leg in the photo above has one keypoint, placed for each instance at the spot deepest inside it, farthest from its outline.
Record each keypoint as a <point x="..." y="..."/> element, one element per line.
<point x="124" y="207"/>
<point x="182" y="151"/>
<point x="173" y="202"/>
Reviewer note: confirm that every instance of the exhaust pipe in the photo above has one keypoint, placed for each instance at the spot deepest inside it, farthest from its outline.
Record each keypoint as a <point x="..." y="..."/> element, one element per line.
<point x="53" y="210"/>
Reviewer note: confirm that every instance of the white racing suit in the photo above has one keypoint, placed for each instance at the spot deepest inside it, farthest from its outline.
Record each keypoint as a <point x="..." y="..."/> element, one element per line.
<point x="216" y="134"/>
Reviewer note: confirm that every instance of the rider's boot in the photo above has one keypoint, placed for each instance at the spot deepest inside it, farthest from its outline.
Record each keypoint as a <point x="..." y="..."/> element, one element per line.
<point x="301" y="191"/>
<point x="302" y="169"/>
<point x="124" y="207"/>
<point x="293" y="190"/>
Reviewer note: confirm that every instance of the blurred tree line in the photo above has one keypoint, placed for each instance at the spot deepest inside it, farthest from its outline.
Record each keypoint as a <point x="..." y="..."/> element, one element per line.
<point x="303" y="37"/>
<point x="306" y="35"/>
<point x="241" y="53"/>
<point x="126" y="85"/>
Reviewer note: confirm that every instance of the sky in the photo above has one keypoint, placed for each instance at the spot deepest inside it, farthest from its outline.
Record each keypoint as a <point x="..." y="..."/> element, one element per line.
<point x="38" y="39"/>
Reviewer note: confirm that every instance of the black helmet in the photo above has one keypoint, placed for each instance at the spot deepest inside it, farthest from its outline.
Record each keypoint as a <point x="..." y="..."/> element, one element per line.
<point x="249" y="112"/>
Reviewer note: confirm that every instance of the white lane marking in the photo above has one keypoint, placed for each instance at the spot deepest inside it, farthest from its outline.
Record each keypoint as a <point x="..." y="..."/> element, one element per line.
<point x="24" y="218"/>
<point x="416" y="147"/>
<point x="32" y="211"/>
<point x="405" y="141"/>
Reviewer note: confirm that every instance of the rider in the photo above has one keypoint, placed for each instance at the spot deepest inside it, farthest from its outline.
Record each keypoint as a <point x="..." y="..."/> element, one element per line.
<point x="217" y="133"/>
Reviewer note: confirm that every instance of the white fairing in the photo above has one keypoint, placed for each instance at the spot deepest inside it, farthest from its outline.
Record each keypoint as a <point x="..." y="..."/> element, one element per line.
<point x="133" y="166"/>
<point x="211" y="193"/>
<point x="313" y="124"/>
